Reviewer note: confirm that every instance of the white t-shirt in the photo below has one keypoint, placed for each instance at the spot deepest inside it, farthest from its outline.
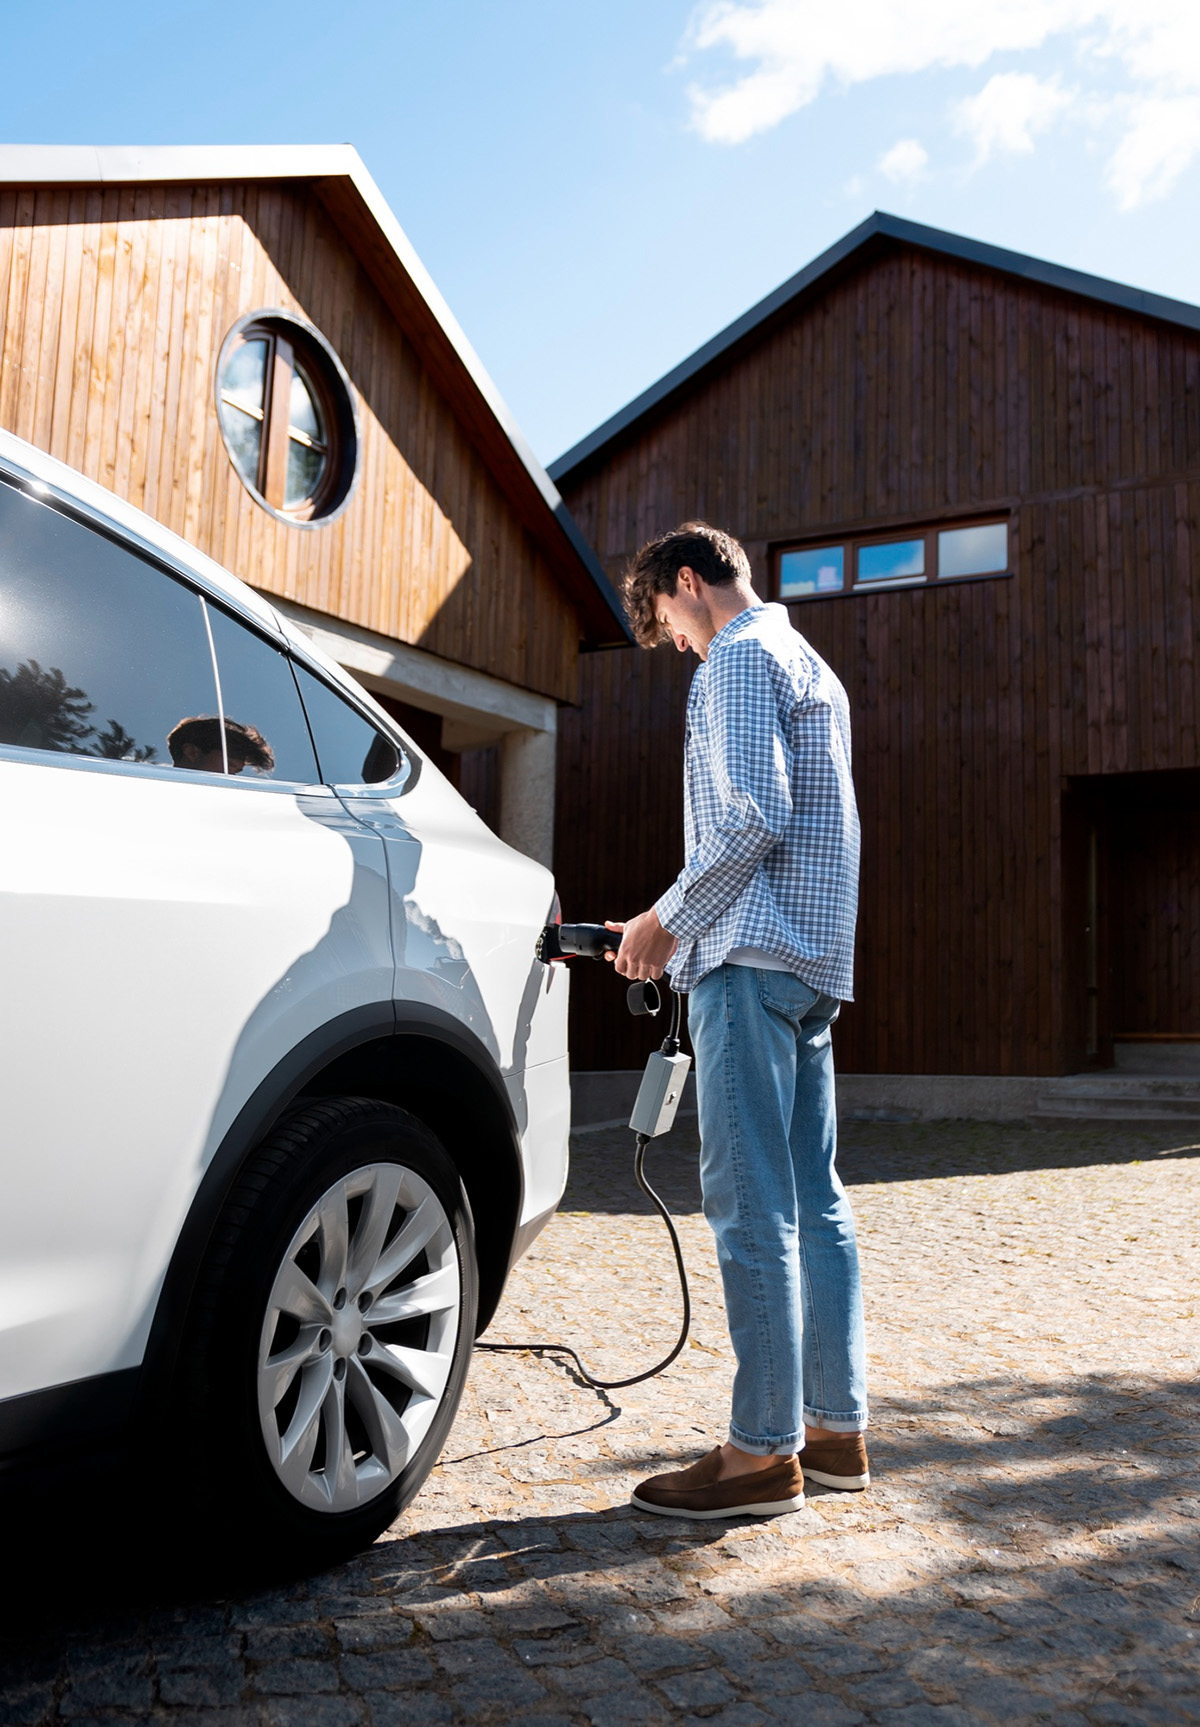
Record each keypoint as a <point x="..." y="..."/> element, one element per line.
<point x="755" y="956"/>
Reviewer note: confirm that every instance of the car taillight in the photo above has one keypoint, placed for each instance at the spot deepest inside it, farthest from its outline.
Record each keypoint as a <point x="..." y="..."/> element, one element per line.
<point x="547" y="949"/>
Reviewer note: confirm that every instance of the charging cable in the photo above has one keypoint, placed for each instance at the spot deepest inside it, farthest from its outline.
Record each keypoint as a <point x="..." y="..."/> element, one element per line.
<point x="653" y="1115"/>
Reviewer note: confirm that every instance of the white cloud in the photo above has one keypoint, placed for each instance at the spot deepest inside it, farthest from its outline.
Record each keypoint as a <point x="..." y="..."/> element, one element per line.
<point x="794" y="49"/>
<point x="1007" y="112"/>
<point x="1162" y="138"/>
<point x="905" y="161"/>
<point x="800" y="45"/>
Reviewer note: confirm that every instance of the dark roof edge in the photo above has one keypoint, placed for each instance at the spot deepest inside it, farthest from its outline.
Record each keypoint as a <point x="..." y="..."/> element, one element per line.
<point x="587" y="556"/>
<point x="884" y="226"/>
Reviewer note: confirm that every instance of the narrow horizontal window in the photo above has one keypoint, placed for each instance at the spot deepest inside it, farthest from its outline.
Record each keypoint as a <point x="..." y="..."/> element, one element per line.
<point x="815" y="570"/>
<point x="868" y="563"/>
<point x="981" y="551"/>
<point x="891" y="560"/>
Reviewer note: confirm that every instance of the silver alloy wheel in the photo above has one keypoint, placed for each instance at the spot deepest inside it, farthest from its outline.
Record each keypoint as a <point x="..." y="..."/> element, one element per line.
<point x="358" y="1337"/>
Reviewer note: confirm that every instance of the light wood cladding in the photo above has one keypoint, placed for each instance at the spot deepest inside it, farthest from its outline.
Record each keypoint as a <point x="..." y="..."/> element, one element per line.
<point x="916" y="387"/>
<point x="114" y="302"/>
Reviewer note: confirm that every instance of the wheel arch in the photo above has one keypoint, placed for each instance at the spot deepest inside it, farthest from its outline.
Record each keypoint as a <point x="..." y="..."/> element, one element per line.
<point x="414" y="1055"/>
<point x="441" y="1079"/>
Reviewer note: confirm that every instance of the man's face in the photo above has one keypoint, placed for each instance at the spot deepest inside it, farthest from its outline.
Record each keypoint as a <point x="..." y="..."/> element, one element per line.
<point x="687" y="614"/>
<point x="211" y="761"/>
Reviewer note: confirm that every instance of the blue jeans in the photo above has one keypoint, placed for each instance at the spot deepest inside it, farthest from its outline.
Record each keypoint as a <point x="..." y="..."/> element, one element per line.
<point x="784" y="1229"/>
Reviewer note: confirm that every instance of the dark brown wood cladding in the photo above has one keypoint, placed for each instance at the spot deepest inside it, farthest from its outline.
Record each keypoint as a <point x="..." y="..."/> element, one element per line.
<point x="916" y="387"/>
<point x="114" y="302"/>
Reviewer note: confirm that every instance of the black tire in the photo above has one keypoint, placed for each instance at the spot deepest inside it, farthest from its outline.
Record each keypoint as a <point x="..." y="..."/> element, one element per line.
<point x="237" y="1479"/>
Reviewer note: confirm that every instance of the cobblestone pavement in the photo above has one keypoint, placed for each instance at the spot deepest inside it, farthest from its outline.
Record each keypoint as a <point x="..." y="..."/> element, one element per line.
<point x="1028" y="1552"/>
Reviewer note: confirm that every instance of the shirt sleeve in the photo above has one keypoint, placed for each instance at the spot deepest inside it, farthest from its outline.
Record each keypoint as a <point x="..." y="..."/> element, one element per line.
<point x="750" y="764"/>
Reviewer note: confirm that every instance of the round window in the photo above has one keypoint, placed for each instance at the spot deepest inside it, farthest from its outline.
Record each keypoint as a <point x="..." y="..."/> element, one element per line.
<point x="287" y="417"/>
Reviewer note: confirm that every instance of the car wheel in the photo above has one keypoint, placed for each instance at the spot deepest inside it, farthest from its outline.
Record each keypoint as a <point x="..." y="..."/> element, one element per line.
<point x="333" y="1330"/>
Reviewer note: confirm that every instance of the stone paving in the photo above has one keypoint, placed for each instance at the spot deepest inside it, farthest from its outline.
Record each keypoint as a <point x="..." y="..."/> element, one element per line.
<point x="1029" y="1551"/>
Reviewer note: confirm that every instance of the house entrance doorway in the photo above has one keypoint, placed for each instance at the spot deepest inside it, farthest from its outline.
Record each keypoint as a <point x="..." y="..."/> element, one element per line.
<point x="1133" y="855"/>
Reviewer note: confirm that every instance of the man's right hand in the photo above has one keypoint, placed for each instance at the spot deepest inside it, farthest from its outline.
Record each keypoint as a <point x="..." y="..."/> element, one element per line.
<point x="645" y="946"/>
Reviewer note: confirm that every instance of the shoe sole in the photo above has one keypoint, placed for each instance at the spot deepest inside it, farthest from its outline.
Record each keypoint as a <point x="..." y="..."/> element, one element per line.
<point x="848" y="1483"/>
<point x="761" y="1508"/>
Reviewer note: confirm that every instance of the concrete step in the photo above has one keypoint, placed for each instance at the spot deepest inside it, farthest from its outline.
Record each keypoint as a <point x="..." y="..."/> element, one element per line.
<point x="1118" y="1097"/>
<point x="1051" y="1110"/>
<point x="1113" y="1086"/>
<point x="605" y="1099"/>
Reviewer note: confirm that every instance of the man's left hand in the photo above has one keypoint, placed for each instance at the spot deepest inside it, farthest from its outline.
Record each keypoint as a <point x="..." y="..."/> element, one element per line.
<point x="645" y="946"/>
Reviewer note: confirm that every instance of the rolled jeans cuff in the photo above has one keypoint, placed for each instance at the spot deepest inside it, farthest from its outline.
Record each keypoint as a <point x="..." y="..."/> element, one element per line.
<point x="837" y="1423"/>
<point x="785" y="1447"/>
<point x="793" y="1442"/>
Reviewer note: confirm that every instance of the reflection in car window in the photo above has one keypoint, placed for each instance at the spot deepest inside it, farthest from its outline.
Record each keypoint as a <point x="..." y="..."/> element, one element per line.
<point x="195" y="743"/>
<point x="266" y="734"/>
<point x="350" y="750"/>
<point x="101" y="654"/>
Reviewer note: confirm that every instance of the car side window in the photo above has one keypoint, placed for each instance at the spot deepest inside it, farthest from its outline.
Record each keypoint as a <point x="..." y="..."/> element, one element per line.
<point x="102" y="654"/>
<point x="350" y="749"/>
<point x="266" y="733"/>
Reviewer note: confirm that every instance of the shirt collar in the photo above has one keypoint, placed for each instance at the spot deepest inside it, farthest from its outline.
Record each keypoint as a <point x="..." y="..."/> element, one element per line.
<point x="734" y="627"/>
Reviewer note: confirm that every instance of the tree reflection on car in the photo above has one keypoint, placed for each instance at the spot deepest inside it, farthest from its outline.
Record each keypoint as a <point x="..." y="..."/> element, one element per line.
<point x="41" y="710"/>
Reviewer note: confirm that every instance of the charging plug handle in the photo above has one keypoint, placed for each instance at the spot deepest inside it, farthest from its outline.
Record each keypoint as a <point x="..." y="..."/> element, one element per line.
<point x="565" y="940"/>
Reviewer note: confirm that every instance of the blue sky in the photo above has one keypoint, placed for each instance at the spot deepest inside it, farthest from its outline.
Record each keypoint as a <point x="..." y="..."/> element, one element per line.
<point x="598" y="188"/>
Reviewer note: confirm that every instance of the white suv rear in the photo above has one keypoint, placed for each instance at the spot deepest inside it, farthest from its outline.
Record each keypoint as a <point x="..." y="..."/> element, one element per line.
<point x="284" y="1087"/>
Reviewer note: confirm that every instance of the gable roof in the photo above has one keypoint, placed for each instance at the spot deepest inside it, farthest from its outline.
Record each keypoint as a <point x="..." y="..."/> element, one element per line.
<point x="340" y="180"/>
<point x="878" y="230"/>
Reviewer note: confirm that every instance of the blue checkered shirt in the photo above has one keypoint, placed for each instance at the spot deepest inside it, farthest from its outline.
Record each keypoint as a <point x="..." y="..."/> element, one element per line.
<point x="771" y="826"/>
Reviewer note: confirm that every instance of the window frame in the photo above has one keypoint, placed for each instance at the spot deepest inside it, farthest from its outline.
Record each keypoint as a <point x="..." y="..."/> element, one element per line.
<point x="210" y="602"/>
<point x="852" y="542"/>
<point x="295" y="345"/>
<point x="410" y="761"/>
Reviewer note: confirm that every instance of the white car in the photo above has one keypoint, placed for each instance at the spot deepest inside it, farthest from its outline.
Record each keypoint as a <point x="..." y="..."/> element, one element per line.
<point x="284" y="1086"/>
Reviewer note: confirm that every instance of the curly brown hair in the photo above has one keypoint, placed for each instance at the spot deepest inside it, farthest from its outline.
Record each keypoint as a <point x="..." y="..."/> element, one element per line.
<point x="203" y="732"/>
<point x="717" y="559"/>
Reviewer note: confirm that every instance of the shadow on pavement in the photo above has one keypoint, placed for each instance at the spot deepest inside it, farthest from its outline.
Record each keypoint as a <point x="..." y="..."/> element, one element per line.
<point x="1028" y="1551"/>
<point x="972" y="1565"/>
<point x="601" y="1178"/>
<point x="105" y="1559"/>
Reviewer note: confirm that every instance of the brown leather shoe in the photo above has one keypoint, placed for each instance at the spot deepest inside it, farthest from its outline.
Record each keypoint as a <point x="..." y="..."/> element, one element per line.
<point x="696" y="1492"/>
<point x="840" y="1462"/>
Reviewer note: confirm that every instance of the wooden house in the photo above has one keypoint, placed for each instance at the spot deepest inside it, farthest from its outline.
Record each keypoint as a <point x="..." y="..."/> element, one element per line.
<point x="243" y="343"/>
<point x="974" y="479"/>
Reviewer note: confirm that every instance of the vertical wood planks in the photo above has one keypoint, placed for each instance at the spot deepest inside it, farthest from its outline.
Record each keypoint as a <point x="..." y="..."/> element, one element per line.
<point x="114" y="303"/>
<point x="914" y="385"/>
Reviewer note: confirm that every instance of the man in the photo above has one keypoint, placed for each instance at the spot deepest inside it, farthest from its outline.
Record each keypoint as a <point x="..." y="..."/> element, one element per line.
<point x="196" y="743"/>
<point x="758" y="928"/>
